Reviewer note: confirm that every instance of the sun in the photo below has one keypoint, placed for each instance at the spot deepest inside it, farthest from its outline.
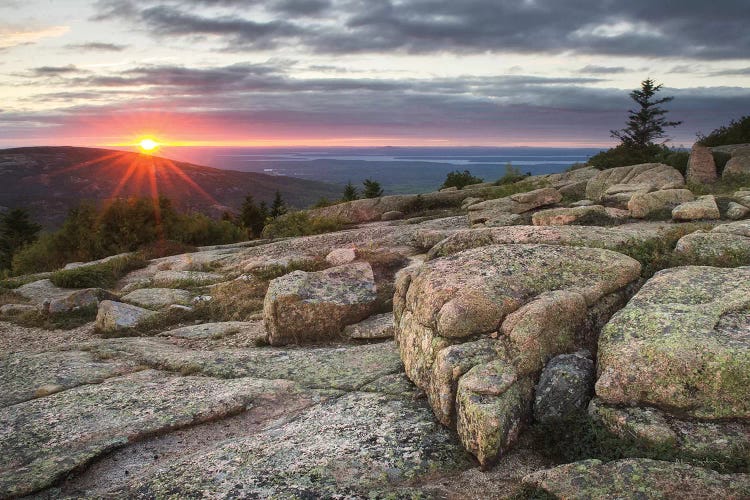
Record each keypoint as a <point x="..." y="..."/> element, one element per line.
<point x="148" y="145"/>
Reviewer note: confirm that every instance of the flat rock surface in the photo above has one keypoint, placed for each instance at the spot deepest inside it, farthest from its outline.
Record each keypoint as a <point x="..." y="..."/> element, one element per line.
<point x="25" y="376"/>
<point x="46" y="438"/>
<point x="637" y="478"/>
<point x="253" y="329"/>
<point x="682" y="344"/>
<point x="379" y="326"/>
<point x="156" y="298"/>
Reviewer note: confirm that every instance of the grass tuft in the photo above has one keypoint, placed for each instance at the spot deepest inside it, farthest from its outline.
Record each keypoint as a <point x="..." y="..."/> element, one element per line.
<point x="104" y="275"/>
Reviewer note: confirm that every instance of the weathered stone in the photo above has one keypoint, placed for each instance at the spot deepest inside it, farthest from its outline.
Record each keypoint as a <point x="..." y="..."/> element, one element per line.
<point x="539" y="297"/>
<point x="255" y="329"/>
<point x="582" y="203"/>
<point x="46" y="438"/>
<point x="735" y="211"/>
<point x="737" y="165"/>
<point x="491" y="405"/>
<point x="392" y="215"/>
<point x="643" y="205"/>
<point x="469" y="202"/>
<point x="379" y="326"/>
<point x="116" y="317"/>
<point x="358" y="445"/>
<point x="25" y="376"/>
<point x="703" y="208"/>
<point x="495" y="219"/>
<point x="317" y="306"/>
<point x="55" y="300"/>
<point x="156" y="298"/>
<point x="637" y="478"/>
<point x="78" y="265"/>
<point x="742" y="197"/>
<point x="341" y="256"/>
<point x="346" y="368"/>
<point x="701" y="168"/>
<point x="186" y="278"/>
<point x="617" y="185"/>
<point x="499" y="211"/>
<point x="723" y="246"/>
<point x="652" y="433"/>
<point x="565" y="387"/>
<point x="681" y="344"/>
<point x="591" y="215"/>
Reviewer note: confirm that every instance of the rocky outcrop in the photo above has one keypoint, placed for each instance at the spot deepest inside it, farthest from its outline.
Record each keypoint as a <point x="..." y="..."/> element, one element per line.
<point x="379" y="326"/>
<point x="679" y="345"/>
<point x="617" y="185"/>
<point x="633" y="478"/>
<point x="157" y="298"/>
<point x="703" y="208"/>
<point x="116" y="317"/>
<point x="701" y="168"/>
<point x="615" y="238"/>
<point x="252" y="329"/>
<point x="476" y="328"/>
<point x="656" y="203"/>
<point x="590" y="215"/>
<point x="505" y="211"/>
<point x="565" y="387"/>
<point x="305" y="307"/>
<point x="724" y="245"/>
<point x="54" y="300"/>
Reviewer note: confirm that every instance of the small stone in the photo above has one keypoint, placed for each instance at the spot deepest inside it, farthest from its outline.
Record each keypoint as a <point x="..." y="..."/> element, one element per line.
<point x="116" y="316"/>
<point x="341" y="256"/>
<point x="735" y="211"/>
<point x="565" y="386"/>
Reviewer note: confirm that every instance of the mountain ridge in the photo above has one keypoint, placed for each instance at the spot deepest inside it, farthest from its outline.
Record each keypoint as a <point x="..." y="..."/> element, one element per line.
<point x="50" y="180"/>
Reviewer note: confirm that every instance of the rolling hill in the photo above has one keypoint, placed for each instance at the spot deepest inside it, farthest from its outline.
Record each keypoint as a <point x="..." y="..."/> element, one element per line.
<point x="48" y="181"/>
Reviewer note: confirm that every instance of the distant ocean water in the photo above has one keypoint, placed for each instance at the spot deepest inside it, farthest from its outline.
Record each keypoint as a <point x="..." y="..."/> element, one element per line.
<point x="398" y="169"/>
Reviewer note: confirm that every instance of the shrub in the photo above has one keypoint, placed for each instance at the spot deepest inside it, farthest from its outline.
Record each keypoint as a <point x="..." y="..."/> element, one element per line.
<point x="103" y="275"/>
<point x="737" y="132"/>
<point x="417" y="205"/>
<point x="372" y="189"/>
<point x="721" y="159"/>
<point x="524" y="186"/>
<point x="301" y="224"/>
<point x="511" y="175"/>
<point x="623" y="155"/>
<point x="460" y="179"/>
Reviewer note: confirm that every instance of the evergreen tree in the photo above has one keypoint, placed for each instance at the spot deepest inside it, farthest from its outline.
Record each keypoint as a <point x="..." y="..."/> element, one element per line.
<point x="278" y="207"/>
<point x="16" y="230"/>
<point x="253" y="217"/>
<point x="372" y="189"/>
<point x="645" y="124"/>
<point x="350" y="192"/>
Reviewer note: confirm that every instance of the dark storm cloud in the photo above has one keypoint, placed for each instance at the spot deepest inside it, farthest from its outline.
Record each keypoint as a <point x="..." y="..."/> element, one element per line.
<point x="54" y="70"/>
<point x="97" y="46"/>
<point x="602" y="70"/>
<point x="695" y="29"/>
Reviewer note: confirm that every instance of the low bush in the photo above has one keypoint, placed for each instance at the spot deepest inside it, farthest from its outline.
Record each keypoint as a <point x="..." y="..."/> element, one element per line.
<point x="59" y="321"/>
<point x="523" y="186"/>
<point x="737" y="132"/>
<point x="103" y="275"/>
<point x="721" y="160"/>
<point x="460" y="179"/>
<point x="623" y="156"/>
<point x="301" y="224"/>
<point x="723" y="186"/>
<point x="512" y="175"/>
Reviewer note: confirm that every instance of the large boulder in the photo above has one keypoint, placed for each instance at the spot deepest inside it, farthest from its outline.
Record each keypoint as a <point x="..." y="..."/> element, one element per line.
<point x="505" y="211"/>
<point x="704" y="207"/>
<point x="616" y="186"/>
<point x="305" y="307"/>
<point x="635" y="478"/>
<point x="737" y="165"/>
<point x="736" y="211"/>
<point x="701" y="168"/>
<point x="724" y="245"/>
<point x="115" y="317"/>
<point x="644" y="205"/>
<point x="681" y="344"/>
<point x="494" y="316"/>
<point x="591" y="215"/>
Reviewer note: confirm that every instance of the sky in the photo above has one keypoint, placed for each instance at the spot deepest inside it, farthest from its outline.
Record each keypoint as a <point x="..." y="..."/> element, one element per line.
<point x="363" y="72"/>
